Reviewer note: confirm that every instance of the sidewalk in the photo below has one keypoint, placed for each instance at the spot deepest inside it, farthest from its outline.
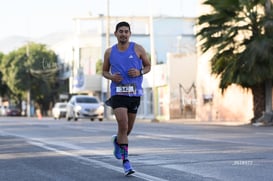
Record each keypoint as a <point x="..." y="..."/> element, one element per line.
<point x="194" y="121"/>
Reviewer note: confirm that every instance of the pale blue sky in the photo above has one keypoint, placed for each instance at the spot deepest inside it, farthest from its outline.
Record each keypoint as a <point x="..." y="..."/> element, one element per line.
<point x="36" y="18"/>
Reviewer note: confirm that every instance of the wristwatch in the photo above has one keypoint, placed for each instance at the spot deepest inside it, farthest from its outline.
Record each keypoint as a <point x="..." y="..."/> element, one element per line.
<point x="141" y="71"/>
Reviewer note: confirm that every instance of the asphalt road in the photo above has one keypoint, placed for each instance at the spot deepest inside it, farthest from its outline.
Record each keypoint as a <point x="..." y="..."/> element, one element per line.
<point x="57" y="150"/>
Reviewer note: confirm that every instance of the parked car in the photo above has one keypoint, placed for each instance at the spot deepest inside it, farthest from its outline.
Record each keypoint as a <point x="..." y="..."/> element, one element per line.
<point x="59" y="110"/>
<point x="13" y="111"/>
<point x="84" y="106"/>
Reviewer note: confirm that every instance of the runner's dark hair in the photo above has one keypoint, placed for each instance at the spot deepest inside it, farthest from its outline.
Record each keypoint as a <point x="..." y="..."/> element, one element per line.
<point x="122" y="23"/>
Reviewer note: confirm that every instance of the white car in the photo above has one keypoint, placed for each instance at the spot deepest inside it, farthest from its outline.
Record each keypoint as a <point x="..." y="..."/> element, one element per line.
<point x="59" y="110"/>
<point x="84" y="106"/>
<point x="3" y="110"/>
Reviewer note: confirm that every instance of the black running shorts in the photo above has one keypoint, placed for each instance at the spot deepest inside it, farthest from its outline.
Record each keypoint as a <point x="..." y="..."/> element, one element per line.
<point x="131" y="103"/>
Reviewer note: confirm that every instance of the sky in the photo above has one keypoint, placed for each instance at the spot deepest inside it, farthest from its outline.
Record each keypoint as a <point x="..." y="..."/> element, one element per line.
<point x="36" y="18"/>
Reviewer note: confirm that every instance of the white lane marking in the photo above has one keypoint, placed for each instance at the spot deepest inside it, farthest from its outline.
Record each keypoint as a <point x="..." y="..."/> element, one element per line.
<point x="209" y="137"/>
<point x="41" y="143"/>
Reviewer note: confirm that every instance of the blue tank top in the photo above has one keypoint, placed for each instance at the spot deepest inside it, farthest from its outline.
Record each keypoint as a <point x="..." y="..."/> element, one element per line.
<point x="121" y="62"/>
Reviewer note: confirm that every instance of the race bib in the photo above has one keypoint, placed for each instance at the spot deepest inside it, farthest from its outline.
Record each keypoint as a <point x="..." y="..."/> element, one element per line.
<point x="126" y="89"/>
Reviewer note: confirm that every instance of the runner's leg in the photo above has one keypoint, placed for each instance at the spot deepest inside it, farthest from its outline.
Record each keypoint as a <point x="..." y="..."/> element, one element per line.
<point x="122" y="120"/>
<point x="131" y="121"/>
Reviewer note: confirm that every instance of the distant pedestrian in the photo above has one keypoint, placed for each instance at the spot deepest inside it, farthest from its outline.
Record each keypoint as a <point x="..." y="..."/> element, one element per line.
<point x="124" y="64"/>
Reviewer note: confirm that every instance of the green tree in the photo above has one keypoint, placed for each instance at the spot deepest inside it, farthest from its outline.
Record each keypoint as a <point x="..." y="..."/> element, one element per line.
<point x="32" y="67"/>
<point x="239" y="33"/>
<point x="4" y="89"/>
<point x="99" y="67"/>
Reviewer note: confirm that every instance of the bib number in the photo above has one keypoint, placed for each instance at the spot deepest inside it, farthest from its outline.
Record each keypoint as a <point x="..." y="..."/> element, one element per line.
<point x="126" y="89"/>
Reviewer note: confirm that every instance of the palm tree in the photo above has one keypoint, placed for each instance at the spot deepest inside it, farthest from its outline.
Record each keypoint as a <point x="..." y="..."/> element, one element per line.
<point x="240" y="35"/>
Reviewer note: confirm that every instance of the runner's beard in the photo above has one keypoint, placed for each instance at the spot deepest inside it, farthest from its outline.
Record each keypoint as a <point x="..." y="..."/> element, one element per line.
<point x="123" y="40"/>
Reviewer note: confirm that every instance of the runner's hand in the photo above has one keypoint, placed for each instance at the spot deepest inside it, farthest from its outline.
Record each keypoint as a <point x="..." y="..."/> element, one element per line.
<point x="116" y="78"/>
<point x="133" y="72"/>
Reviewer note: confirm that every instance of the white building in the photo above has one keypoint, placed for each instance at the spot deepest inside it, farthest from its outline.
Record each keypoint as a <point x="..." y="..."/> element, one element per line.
<point x="171" y="34"/>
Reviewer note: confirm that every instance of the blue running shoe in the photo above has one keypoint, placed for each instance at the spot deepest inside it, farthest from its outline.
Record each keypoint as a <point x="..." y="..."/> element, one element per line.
<point x="116" y="151"/>
<point x="128" y="170"/>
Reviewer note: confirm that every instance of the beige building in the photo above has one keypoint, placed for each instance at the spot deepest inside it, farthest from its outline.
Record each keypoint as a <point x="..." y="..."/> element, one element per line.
<point x="182" y="69"/>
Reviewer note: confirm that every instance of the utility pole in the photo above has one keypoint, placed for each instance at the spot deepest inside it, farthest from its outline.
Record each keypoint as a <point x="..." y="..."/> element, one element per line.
<point x="153" y="63"/>
<point x="108" y="25"/>
<point x="29" y="88"/>
<point x="107" y="37"/>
